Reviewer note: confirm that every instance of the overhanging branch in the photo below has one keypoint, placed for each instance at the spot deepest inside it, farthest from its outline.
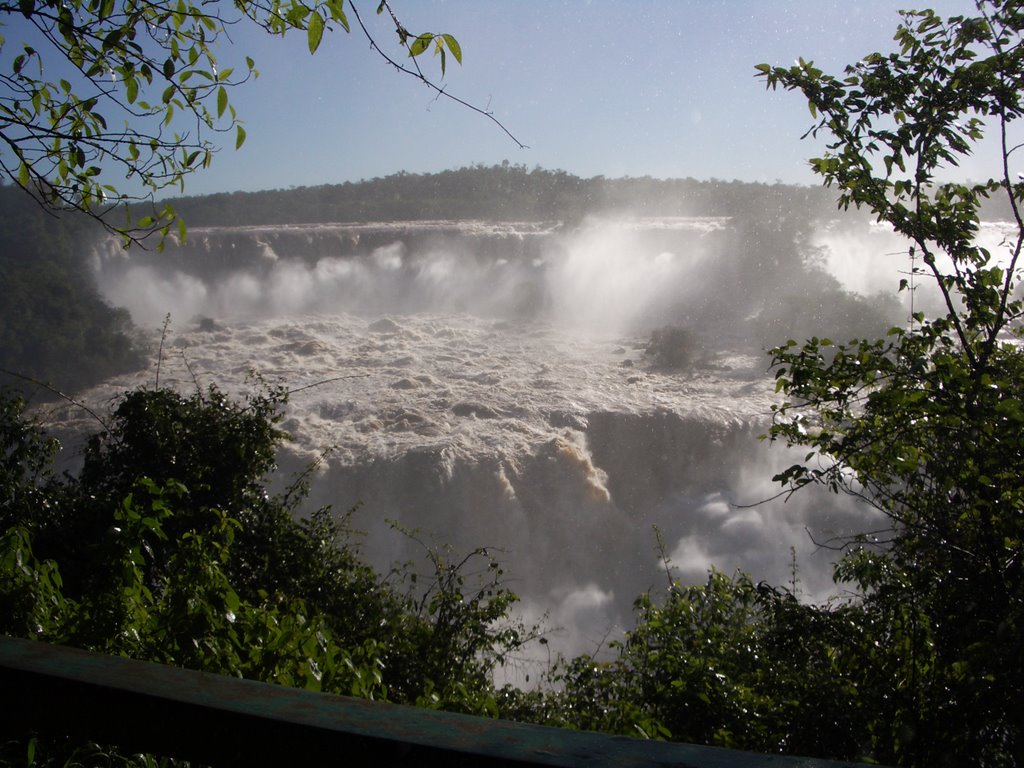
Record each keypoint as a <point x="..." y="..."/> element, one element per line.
<point x="418" y="74"/>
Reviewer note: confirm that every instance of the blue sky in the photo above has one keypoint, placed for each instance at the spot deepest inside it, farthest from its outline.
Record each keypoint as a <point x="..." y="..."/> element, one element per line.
<point x="606" y="87"/>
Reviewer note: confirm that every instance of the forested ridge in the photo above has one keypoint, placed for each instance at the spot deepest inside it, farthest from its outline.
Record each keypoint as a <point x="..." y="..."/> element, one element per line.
<point x="505" y="192"/>
<point x="512" y="192"/>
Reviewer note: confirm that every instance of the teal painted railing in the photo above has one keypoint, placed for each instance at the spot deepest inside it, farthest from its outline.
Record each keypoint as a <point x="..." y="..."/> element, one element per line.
<point x="145" y="707"/>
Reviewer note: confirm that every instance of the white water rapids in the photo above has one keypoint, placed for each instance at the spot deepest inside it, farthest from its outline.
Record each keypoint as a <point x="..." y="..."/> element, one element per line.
<point x="487" y="385"/>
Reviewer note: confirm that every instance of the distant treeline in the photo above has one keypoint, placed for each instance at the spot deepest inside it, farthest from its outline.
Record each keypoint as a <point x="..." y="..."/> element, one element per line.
<point x="501" y="192"/>
<point x="507" y="192"/>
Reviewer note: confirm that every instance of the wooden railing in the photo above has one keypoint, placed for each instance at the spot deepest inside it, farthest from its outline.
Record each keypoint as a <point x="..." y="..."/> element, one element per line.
<point x="146" y="707"/>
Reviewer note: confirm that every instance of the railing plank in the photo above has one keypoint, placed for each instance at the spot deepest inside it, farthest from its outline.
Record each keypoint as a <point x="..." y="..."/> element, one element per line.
<point x="142" y="706"/>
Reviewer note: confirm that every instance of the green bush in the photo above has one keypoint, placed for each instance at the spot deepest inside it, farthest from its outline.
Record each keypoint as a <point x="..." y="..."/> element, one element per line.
<point x="169" y="547"/>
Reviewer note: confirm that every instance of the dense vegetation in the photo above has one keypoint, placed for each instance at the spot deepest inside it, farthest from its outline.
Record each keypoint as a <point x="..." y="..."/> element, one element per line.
<point x="501" y="192"/>
<point x="169" y="547"/>
<point x="54" y="326"/>
<point x="926" y="424"/>
<point x="512" y="192"/>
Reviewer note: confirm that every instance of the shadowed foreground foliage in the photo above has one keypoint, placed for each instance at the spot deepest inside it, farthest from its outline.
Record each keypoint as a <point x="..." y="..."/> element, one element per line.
<point x="927" y="424"/>
<point x="169" y="547"/>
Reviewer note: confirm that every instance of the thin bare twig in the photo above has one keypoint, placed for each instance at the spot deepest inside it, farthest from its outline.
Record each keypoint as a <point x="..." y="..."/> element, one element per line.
<point x="54" y="390"/>
<point x="326" y="381"/>
<point x="418" y="74"/>
<point x="160" y="353"/>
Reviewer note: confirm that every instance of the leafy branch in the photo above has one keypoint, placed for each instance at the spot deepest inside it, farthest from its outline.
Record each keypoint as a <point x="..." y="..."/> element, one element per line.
<point x="144" y="95"/>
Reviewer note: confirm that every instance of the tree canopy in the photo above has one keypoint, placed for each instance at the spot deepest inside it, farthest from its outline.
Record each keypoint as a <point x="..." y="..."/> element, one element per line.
<point x="926" y="425"/>
<point x="102" y="90"/>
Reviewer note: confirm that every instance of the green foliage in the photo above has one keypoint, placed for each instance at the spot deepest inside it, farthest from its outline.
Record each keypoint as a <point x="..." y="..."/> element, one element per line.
<point x="142" y="96"/>
<point x="168" y="547"/>
<point x="682" y="660"/>
<point x="925" y="424"/>
<point x="727" y="663"/>
<point x="458" y="632"/>
<point x="25" y="463"/>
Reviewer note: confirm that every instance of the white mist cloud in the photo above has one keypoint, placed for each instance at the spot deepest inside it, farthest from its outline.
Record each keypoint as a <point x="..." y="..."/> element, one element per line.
<point x="608" y="282"/>
<point x="150" y="294"/>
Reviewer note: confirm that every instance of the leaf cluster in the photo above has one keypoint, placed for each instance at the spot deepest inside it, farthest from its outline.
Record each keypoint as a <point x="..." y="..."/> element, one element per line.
<point x="98" y="90"/>
<point x="925" y="424"/>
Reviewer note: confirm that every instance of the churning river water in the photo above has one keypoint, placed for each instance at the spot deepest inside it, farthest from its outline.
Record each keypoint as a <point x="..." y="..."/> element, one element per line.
<point x="487" y="383"/>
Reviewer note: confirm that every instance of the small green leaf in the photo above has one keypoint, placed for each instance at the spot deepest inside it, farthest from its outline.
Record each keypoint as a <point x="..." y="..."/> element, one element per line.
<point x="338" y="14"/>
<point x="131" y="86"/>
<point x="315" y="32"/>
<point x="420" y="44"/>
<point x="239" y="136"/>
<point x="23" y="177"/>
<point x="222" y="101"/>
<point x="454" y="47"/>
